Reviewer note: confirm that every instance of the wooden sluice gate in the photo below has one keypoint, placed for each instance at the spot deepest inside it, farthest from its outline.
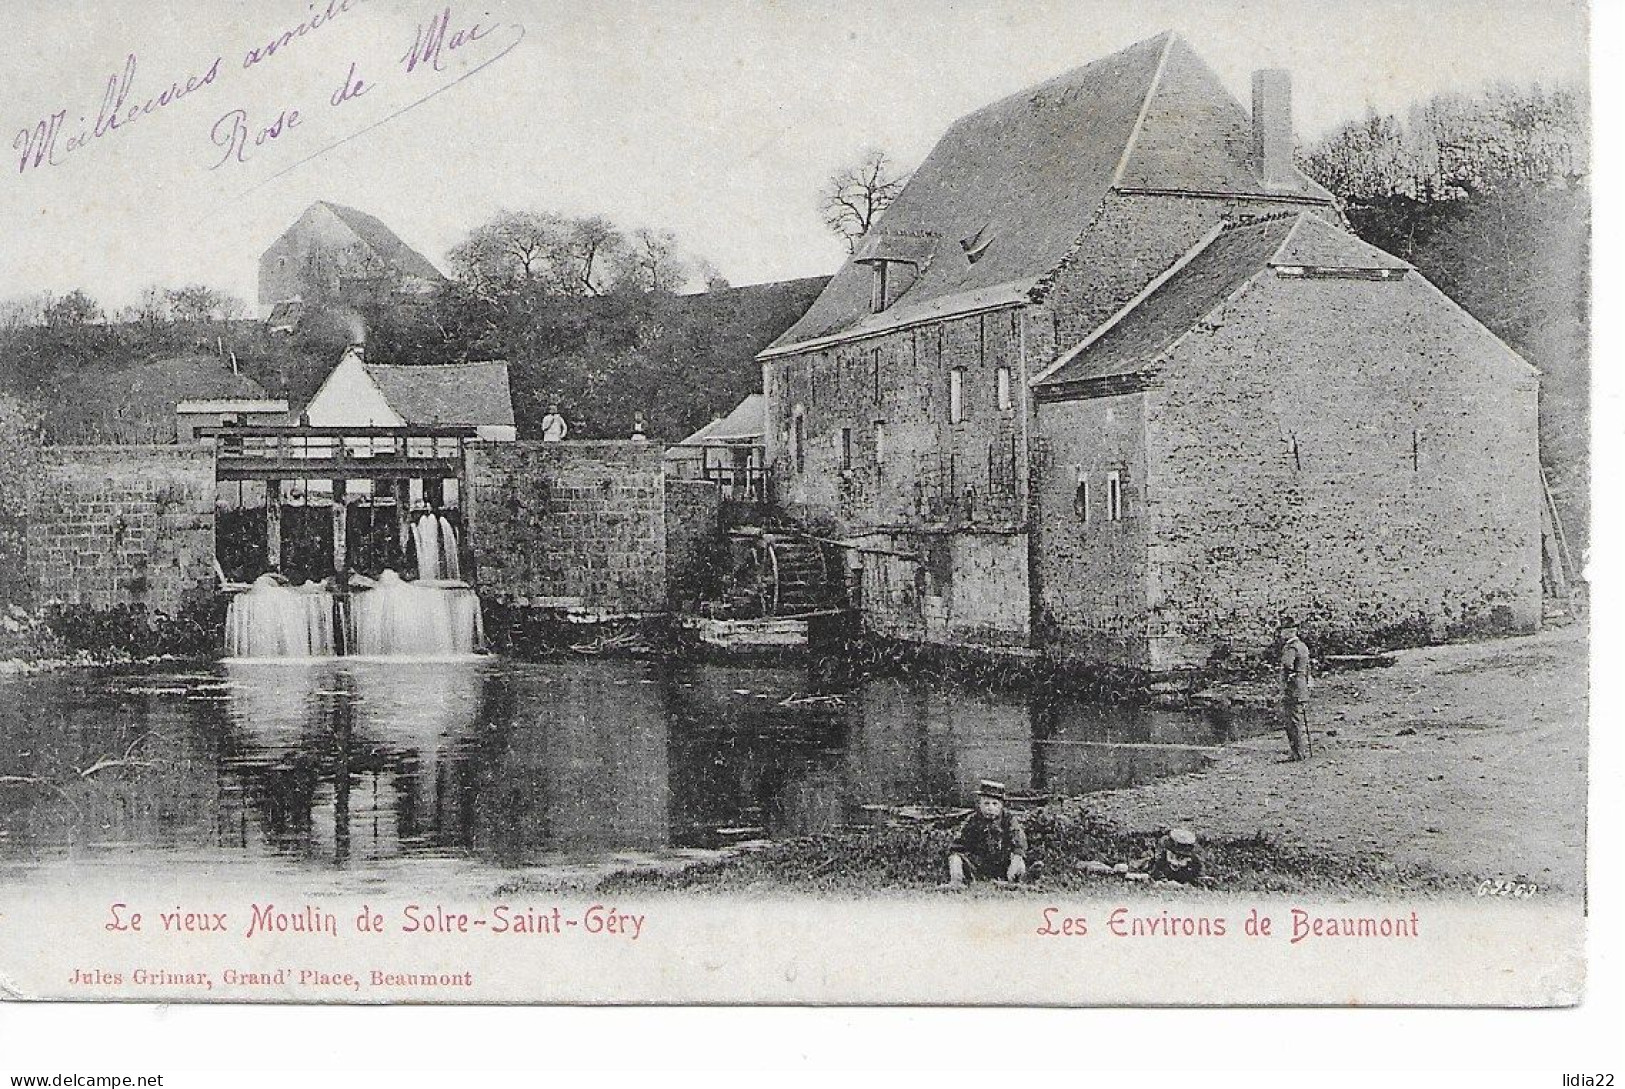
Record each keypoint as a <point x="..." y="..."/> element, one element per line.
<point x="326" y="467"/>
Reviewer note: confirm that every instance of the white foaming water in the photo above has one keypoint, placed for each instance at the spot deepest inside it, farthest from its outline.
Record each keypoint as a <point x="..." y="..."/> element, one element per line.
<point x="270" y="620"/>
<point x="397" y="618"/>
<point x="434" y="540"/>
<point x="451" y="566"/>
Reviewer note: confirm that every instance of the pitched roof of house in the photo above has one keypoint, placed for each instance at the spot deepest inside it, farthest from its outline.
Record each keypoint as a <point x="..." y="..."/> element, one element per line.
<point x="1016" y="183"/>
<point x="384" y="242"/>
<point x="450" y="394"/>
<point x="746" y="423"/>
<point x="195" y="377"/>
<point x="1212" y="272"/>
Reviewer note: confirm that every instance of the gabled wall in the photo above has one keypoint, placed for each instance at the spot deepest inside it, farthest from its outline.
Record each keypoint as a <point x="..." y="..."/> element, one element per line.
<point x="1411" y="508"/>
<point x="350" y="398"/>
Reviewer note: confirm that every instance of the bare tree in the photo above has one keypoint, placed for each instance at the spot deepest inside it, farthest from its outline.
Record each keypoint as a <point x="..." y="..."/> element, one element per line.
<point x="707" y="272"/>
<point x="855" y="196"/>
<point x="595" y="244"/>
<point x="513" y="250"/>
<point x="151" y="312"/>
<point x="651" y="262"/>
<point x="22" y="311"/>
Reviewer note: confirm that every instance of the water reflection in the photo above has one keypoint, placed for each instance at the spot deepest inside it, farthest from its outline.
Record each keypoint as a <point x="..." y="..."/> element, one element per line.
<point x="340" y="762"/>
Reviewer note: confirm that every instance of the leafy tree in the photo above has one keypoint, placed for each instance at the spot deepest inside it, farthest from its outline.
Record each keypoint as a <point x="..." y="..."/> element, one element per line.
<point x="200" y="304"/>
<point x="854" y="197"/>
<point x="74" y="310"/>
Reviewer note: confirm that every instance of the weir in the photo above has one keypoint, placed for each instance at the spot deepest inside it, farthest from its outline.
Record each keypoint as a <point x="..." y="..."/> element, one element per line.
<point x="347" y="512"/>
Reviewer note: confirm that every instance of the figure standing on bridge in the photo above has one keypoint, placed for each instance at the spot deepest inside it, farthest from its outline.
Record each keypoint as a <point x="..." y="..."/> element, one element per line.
<point x="1295" y="690"/>
<point x="554" y="426"/>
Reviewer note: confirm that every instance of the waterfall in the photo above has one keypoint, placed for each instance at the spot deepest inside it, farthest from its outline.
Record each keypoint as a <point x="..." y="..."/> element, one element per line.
<point x="426" y="539"/>
<point x="450" y="566"/>
<point x="270" y="620"/>
<point x="397" y="618"/>
<point x="434" y="540"/>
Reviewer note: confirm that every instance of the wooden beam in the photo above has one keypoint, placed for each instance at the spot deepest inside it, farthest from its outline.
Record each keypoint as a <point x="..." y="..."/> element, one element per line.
<point x="273" y="524"/>
<point x="340" y="527"/>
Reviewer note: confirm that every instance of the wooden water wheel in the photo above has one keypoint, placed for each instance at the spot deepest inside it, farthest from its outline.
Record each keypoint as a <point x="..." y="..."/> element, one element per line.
<point x="781" y="574"/>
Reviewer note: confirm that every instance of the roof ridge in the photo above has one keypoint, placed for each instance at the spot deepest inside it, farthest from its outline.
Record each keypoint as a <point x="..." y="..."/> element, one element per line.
<point x="1061" y="78"/>
<point x="1275" y="254"/>
<point x="1145" y="107"/>
<point x="420" y="366"/>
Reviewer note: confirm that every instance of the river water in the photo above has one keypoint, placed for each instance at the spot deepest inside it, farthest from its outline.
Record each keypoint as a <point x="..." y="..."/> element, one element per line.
<point x="496" y="765"/>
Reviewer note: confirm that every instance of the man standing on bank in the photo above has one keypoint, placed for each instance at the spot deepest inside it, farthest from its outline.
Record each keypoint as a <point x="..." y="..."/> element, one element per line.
<point x="991" y="845"/>
<point x="1295" y="690"/>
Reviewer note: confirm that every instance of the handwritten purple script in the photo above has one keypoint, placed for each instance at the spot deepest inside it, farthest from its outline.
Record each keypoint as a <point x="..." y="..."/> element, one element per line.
<point x="42" y="145"/>
<point x="238" y="137"/>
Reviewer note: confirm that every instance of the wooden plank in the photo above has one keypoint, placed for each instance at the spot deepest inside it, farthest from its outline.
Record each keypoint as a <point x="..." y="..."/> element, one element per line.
<point x="273" y="523"/>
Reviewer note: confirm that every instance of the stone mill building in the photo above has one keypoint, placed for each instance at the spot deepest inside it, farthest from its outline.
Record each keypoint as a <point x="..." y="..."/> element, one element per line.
<point x="1112" y="381"/>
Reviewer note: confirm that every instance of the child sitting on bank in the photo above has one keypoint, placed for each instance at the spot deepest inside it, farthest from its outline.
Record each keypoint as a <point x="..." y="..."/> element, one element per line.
<point x="991" y="845"/>
<point x="1176" y="859"/>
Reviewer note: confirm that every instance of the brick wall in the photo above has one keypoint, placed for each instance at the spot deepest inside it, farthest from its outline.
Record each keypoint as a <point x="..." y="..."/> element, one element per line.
<point x="954" y="493"/>
<point x="1361" y="453"/>
<point x="117" y="525"/>
<point x="901" y="381"/>
<point x="570" y="523"/>
<point x="19" y="452"/>
<point x="1092" y="590"/>
<point x="694" y="542"/>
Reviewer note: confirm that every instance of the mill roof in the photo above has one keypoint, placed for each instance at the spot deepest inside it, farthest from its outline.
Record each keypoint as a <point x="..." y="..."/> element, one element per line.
<point x="1213" y="271"/>
<point x="447" y="394"/>
<point x="1009" y="189"/>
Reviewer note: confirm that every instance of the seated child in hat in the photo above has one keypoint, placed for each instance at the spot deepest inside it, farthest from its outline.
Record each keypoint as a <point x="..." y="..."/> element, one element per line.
<point x="991" y="845"/>
<point x="1175" y="859"/>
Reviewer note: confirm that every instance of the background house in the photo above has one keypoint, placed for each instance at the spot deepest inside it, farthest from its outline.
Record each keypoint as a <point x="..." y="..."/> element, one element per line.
<point x="361" y="394"/>
<point x="728" y="450"/>
<point x="335" y="252"/>
<point x="902" y="413"/>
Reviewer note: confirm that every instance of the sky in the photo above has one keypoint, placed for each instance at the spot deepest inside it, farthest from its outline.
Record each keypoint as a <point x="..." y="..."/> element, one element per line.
<point x="718" y="121"/>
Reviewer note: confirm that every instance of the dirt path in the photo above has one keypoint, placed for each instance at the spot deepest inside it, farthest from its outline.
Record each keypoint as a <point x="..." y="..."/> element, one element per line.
<point x="1491" y="783"/>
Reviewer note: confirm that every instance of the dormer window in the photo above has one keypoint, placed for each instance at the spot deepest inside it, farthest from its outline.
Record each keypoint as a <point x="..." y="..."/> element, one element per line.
<point x="877" y="296"/>
<point x="895" y="261"/>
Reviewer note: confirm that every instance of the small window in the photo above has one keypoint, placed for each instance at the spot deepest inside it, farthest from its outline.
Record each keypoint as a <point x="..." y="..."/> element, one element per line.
<point x="877" y="298"/>
<point x="1114" y="497"/>
<point x="1080" y="499"/>
<point x="874" y="367"/>
<point x="956" y="395"/>
<point x="880" y="441"/>
<point x="1002" y="388"/>
<point x="846" y="448"/>
<point x="798" y="447"/>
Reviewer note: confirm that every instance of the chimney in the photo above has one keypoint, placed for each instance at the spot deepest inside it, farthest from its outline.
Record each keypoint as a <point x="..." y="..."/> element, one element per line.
<point x="1272" y="128"/>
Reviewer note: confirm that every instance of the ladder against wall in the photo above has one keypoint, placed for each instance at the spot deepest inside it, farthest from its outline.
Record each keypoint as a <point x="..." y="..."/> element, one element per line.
<point x="1558" y="569"/>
